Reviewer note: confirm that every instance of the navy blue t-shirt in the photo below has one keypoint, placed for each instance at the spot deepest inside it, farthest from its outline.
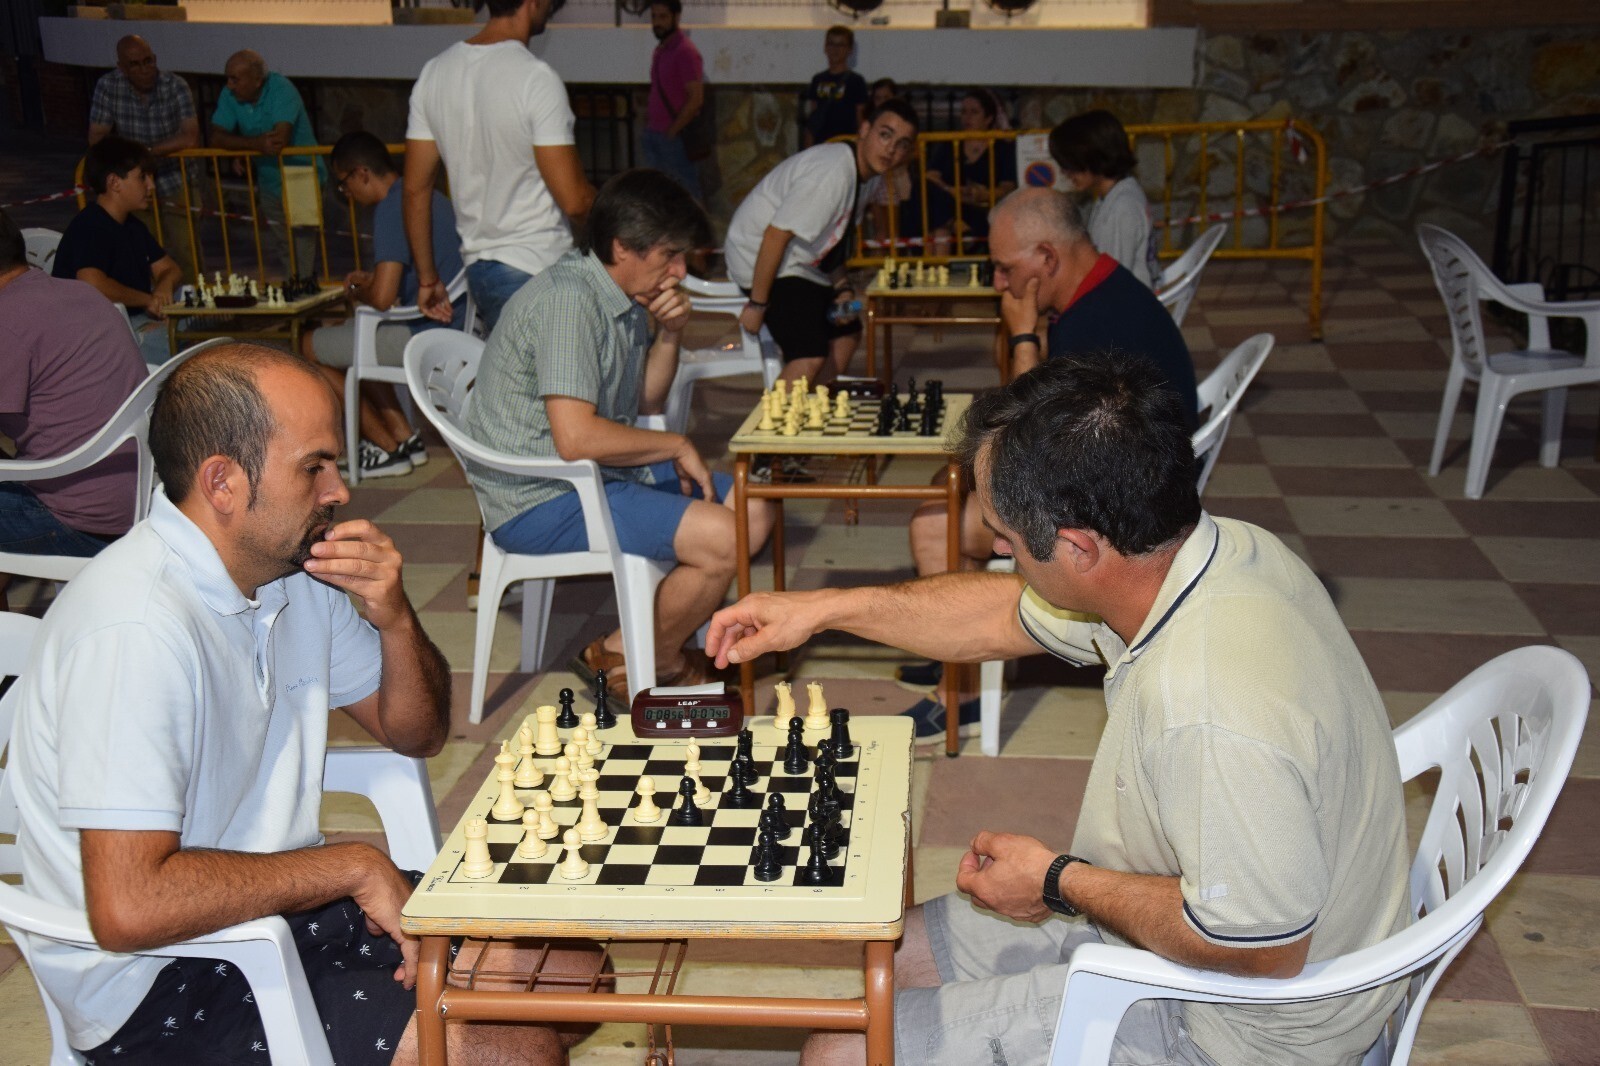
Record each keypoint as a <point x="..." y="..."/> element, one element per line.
<point x="1121" y="315"/>
<point x="834" y="99"/>
<point x="389" y="245"/>
<point x="123" y="251"/>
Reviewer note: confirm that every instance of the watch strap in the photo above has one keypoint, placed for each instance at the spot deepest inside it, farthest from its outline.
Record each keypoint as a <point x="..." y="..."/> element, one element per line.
<point x="1024" y="338"/>
<point x="1052" y="885"/>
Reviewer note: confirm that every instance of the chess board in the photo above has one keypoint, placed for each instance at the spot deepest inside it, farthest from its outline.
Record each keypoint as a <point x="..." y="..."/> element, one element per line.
<point x="671" y="879"/>
<point x="852" y="435"/>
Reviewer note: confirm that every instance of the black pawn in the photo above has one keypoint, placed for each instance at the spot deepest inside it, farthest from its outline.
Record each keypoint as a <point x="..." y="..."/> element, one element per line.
<point x="913" y="403"/>
<point x="839" y="743"/>
<point x="825" y="832"/>
<point x="738" y="793"/>
<point x="772" y="821"/>
<point x="603" y="718"/>
<point x="768" y="866"/>
<point x="686" y="813"/>
<point x="929" y="425"/>
<point x="775" y="802"/>
<point x="794" y="753"/>
<point x="817" y="871"/>
<point x="568" y="718"/>
<point x="902" y="422"/>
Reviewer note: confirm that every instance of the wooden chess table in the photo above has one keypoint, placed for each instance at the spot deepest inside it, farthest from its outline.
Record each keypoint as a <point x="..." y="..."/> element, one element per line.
<point x="652" y="881"/>
<point x="860" y="452"/>
<point x="886" y="307"/>
<point x="261" y="322"/>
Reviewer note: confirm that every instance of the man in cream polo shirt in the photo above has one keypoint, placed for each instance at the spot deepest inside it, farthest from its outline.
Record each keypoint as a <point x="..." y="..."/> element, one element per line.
<point x="1243" y="813"/>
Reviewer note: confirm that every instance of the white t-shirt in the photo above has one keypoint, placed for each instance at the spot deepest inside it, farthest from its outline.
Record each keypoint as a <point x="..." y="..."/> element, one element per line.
<point x="159" y="698"/>
<point x="487" y="106"/>
<point x="809" y="194"/>
<point x="1119" y="225"/>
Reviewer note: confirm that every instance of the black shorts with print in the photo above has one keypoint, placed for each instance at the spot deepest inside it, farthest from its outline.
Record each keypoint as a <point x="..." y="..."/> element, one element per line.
<point x="202" y="1010"/>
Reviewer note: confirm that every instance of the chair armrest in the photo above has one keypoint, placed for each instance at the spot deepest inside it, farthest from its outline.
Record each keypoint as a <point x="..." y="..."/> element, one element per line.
<point x="404" y="313"/>
<point x="398" y="787"/>
<point x="20" y="911"/>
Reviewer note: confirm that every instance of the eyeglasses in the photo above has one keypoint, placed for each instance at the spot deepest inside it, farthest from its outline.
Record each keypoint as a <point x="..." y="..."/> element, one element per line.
<point x="340" y="180"/>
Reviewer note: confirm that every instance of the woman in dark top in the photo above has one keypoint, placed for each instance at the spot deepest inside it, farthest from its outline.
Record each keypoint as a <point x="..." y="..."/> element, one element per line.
<point x="987" y="172"/>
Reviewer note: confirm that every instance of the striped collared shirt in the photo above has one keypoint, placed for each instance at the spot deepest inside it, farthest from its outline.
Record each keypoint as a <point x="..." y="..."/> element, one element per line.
<point x="148" y="119"/>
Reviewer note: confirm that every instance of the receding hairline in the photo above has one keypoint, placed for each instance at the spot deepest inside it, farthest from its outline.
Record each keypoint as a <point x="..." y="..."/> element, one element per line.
<point x="128" y="43"/>
<point x="248" y="57"/>
<point x="1036" y="212"/>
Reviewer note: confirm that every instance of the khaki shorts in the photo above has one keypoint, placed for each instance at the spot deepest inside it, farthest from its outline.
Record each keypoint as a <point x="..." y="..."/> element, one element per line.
<point x="335" y="345"/>
<point x="1001" y="996"/>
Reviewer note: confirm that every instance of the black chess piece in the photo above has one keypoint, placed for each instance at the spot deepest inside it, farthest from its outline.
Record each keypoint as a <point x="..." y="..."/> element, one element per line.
<point x="913" y="403"/>
<point x="795" y="760"/>
<point x="839" y="743"/>
<point x="775" y="802"/>
<point x="568" y="718"/>
<point x="686" y="813"/>
<point x="825" y="833"/>
<point x="746" y="746"/>
<point x="828" y="790"/>
<point x="768" y="866"/>
<point x="817" y="871"/>
<point x="603" y="716"/>
<point x="902" y="422"/>
<point x="738" y="792"/>
<point x="884" y="424"/>
<point x="773" y="821"/>
<point x="928" y="425"/>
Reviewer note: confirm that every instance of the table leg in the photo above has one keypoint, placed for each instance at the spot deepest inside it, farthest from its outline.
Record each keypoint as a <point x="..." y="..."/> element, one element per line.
<point x="952" y="671"/>
<point x="780" y="576"/>
<point x="880" y="1003"/>
<point x="888" y="355"/>
<point x="872" y="337"/>
<point x="432" y="962"/>
<point x="172" y="336"/>
<point x="741" y="542"/>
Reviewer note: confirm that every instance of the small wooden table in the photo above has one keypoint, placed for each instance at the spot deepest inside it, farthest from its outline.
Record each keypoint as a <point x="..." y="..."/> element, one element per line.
<point x="653" y="881"/>
<point x="880" y="310"/>
<point x="290" y="319"/>
<point x="856" y="443"/>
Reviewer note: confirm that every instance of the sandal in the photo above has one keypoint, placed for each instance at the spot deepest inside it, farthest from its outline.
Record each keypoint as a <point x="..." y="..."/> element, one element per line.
<point x="594" y="658"/>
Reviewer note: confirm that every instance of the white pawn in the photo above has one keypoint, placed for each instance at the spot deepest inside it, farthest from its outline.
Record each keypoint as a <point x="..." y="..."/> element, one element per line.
<point x="573" y="769"/>
<point x="476" y="862"/>
<point x="561" y="782"/>
<point x="547" y="825"/>
<point x="972" y="276"/>
<point x="817" y="709"/>
<point x="591" y="723"/>
<point x="785" y="706"/>
<point x="841" y="406"/>
<point x="573" y="867"/>
<point x="591" y="827"/>
<point x="507" y="808"/>
<point x="766" y="425"/>
<point x="816" y="416"/>
<point x="580" y="737"/>
<point x="547" y="740"/>
<point x="646" y="811"/>
<point x="532" y="846"/>
<point x="528" y="774"/>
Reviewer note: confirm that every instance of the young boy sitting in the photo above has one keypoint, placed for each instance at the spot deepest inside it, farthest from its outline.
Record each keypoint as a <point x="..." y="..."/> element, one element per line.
<point x="112" y="250"/>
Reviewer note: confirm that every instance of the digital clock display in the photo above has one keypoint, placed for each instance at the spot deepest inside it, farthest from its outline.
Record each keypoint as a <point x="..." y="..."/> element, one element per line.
<point x="673" y="714"/>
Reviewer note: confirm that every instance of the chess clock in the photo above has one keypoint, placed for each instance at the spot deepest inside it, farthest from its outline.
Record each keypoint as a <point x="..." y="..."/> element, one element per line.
<point x="689" y="711"/>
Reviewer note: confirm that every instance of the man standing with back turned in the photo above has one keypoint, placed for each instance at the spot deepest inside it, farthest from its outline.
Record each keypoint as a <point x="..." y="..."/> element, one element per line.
<point x="496" y="116"/>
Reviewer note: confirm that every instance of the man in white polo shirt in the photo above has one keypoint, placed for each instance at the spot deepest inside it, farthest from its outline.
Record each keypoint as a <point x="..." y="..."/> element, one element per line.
<point x="172" y="724"/>
<point x="1243" y="813"/>
<point x="498" y="119"/>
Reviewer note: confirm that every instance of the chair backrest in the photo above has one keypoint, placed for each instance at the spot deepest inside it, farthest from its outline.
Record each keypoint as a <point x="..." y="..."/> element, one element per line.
<point x="726" y="298"/>
<point x="1220" y="393"/>
<point x="1178" y="283"/>
<point x="1463" y="282"/>
<point x="130" y="422"/>
<point x="17" y="635"/>
<point x="41" y="245"/>
<point x="1503" y="740"/>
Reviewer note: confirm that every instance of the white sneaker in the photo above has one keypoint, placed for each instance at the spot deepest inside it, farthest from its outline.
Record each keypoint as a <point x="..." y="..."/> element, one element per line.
<point x="375" y="462"/>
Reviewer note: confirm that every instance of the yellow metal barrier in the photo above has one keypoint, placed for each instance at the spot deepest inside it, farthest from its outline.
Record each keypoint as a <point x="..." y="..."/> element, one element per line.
<point x="1276" y="165"/>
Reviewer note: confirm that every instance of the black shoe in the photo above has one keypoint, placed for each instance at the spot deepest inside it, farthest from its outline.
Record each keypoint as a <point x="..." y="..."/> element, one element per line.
<point x="922" y="675"/>
<point x="413" y="448"/>
<point x="929" y="717"/>
<point x="375" y="462"/>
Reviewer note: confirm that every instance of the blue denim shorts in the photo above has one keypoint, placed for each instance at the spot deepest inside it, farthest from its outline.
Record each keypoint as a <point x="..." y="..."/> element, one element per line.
<point x="491" y="284"/>
<point x="645" y="517"/>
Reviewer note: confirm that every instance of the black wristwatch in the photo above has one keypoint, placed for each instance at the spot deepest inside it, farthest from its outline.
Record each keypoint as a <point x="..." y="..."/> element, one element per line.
<point x="1023" y="338"/>
<point x="1052" y="885"/>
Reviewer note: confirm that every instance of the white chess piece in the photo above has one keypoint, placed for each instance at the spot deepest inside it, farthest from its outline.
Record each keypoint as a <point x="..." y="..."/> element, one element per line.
<point x="691" y="770"/>
<point x="547" y="741"/>
<point x="532" y="846"/>
<point x="785" y="706"/>
<point x="476" y="862"/>
<point x="817" y="709"/>
<point x="588" y="720"/>
<point x="580" y="737"/>
<point x="591" y="827"/>
<point x="815" y="418"/>
<point x="972" y="276"/>
<point x="507" y="808"/>
<point x="561" y="781"/>
<point x="841" y="406"/>
<point x="547" y="825"/>
<point x="528" y="773"/>
<point x="646" y="811"/>
<point x="573" y="867"/>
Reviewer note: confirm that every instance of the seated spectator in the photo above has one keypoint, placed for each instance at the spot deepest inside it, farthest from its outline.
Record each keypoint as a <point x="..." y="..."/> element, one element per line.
<point x="987" y="171"/>
<point x="1092" y="151"/>
<point x="363" y="171"/>
<point x="67" y="362"/>
<point x="112" y="250"/>
<point x="569" y="367"/>
<point x="881" y="90"/>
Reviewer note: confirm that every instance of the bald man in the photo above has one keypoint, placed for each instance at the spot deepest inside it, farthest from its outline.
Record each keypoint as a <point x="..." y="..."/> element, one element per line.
<point x="261" y="111"/>
<point x="140" y="101"/>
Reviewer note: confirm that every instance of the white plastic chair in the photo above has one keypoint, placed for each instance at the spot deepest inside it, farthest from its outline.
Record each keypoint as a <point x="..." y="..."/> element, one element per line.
<point x="131" y="422"/>
<point x="1220" y="394"/>
<point x="41" y="244"/>
<point x="753" y="355"/>
<point x="1521" y="715"/>
<point x="1464" y="282"/>
<point x="263" y="949"/>
<point x="1180" y="280"/>
<point x="364" y="365"/>
<point x="441" y="366"/>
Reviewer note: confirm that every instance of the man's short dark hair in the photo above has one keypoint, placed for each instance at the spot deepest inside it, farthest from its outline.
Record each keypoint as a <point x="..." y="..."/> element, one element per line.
<point x="1094" y="142"/>
<point x="846" y="32"/>
<point x="644" y="208"/>
<point x="884" y="83"/>
<point x="898" y="106"/>
<point x="13" y="247"/>
<point x="114" y="155"/>
<point x="211" y="405"/>
<point x="674" y="6"/>
<point x="1098" y="444"/>
<point x="361" y="149"/>
<point x="501" y="8"/>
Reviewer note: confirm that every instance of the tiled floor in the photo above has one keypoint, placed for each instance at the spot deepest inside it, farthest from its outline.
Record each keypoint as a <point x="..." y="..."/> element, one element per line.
<point x="1329" y="453"/>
